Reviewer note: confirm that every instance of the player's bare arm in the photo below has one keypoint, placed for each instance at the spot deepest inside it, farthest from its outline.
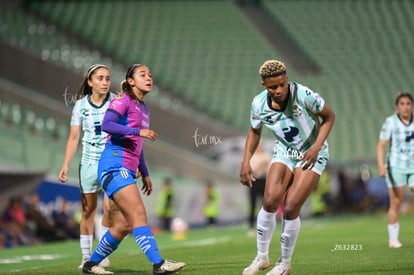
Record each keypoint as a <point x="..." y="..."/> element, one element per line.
<point x="328" y="119"/>
<point x="252" y="141"/>
<point x="380" y="157"/>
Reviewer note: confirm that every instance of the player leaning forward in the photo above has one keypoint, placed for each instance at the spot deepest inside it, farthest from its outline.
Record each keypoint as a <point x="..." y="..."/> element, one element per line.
<point x="301" y="121"/>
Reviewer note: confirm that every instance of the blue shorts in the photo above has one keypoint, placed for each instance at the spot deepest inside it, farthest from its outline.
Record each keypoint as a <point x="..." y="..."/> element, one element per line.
<point x="291" y="158"/>
<point x="116" y="179"/>
<point x="399" y="177"/>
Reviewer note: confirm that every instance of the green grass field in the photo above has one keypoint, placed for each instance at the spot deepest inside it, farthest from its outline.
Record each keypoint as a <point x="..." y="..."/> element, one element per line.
<point x="337" y="245"/>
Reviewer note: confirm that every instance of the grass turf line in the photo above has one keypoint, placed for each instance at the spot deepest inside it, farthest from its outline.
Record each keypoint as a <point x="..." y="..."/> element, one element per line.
<point x="349" y="244"/>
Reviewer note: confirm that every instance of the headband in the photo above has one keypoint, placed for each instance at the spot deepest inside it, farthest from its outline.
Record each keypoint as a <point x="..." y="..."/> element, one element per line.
<point x="92" y="68"/>
<point x="131" y="70"/>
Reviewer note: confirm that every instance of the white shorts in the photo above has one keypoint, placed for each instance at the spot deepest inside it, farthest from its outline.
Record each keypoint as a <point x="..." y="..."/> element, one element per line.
<point x="399" y="177"/>
<point x="291" y="158"/>
<point x="88" y="178"/>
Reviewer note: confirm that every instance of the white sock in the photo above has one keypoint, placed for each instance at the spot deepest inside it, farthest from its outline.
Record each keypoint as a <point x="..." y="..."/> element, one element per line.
<point x="266" y="224"/>
<point x="393" y="231"/>
<point x="86" y="245"/>
<point x="290" y="232"/>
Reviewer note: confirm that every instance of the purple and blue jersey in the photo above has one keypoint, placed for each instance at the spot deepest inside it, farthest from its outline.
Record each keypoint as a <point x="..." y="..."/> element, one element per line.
<point x="123" y="121"/>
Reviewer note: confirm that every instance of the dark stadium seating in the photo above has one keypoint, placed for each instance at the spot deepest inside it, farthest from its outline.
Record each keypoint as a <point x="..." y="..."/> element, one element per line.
<point x="208" y="52"/>
<point x="364" y="48"/>
<point x="205" y="51"/>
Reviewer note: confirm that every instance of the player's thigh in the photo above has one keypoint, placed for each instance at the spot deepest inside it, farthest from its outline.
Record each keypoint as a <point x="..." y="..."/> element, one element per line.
<point x="278" y="179"/>
<point x="130" y="203"/>
<point x="396" y="194"/>
<point x="304" y="182"/>
<point x="89" y="201"/>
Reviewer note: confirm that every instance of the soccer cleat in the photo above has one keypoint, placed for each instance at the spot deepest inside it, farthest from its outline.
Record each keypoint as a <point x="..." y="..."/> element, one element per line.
<point x="93" y="268"/>
<point x="167" y="267"/>
<point x="280" y="269"/>
<point x="84" y="260"/>
<point x="394" y="244"/>
<point x="105" y="262"/>
<point x="257" y="265"/>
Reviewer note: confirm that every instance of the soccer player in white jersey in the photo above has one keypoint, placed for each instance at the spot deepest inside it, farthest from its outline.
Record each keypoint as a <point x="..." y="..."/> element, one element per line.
<point x="399" y="167"/>
<point x="301" y="122"/>
<point x="92" y="100"/>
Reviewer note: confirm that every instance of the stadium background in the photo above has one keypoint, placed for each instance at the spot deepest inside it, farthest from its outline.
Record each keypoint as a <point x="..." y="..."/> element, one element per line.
<point x="204" y="56"/>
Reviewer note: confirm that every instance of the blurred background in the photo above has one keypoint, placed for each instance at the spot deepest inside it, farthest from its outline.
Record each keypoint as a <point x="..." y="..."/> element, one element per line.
<point x="204" y="57"/>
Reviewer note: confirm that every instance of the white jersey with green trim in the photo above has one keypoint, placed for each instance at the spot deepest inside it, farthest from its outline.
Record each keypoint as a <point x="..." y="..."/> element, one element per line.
<point x="297" y="125"/>
<point x="89" y="117"/>
<point x="401" y="137"/>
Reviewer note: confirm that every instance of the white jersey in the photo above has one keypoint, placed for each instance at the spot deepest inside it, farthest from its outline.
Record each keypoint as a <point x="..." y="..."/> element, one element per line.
<point x="89" y="117"/>
<point x="401" y="136"/>
<point x="296" y="126"/>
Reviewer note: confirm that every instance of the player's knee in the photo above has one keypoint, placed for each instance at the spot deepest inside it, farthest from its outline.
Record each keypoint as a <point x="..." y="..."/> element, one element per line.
<point x="88" y="212"/>
<point x="290" y="211"/>
<point x="270" y="205"/>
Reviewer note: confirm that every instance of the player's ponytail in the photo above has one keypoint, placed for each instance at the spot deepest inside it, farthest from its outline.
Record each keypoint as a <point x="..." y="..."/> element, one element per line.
<point x="125" y="87"/>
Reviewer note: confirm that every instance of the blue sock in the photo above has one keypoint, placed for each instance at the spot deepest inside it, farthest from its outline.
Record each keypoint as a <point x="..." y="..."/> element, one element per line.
<point x="106" y="246"/>
<point x="145" y="239"/>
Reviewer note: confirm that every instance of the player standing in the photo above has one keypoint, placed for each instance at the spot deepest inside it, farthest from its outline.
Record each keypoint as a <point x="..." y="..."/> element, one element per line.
<point x="301" y="121"/>
<point x="127" y="122"/>
<point x="399" y="168"/>
<point x="92" y="101"/>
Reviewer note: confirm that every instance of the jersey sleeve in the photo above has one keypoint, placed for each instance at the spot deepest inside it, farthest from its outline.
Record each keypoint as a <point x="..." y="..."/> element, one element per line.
<point x="255" y="120"/>
<point x="385" y="133"/>
<point x="312" y="101"/>
<point x="119" y="104"/>
<point x="76" y="114"/>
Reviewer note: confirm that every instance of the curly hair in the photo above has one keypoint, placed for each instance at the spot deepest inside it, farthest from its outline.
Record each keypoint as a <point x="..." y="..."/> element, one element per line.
<point x="272" y="68"/>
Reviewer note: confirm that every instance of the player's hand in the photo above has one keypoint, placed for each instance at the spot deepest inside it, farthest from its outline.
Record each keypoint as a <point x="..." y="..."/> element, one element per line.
<point x="149" y="134"/>
<point x="138" y="173"/>
<point x="63" y="174"/>
<point x="382" y="171"/>
<point x="309" y="158"/>
<point x="246" y="175"/>
<point x="146" y="186"/>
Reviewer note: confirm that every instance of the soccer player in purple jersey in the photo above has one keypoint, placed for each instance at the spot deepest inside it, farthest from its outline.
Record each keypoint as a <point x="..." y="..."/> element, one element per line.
<point x="127" y="123"/>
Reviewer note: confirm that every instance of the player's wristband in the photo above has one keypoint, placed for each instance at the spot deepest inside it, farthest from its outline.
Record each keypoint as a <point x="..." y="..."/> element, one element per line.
<point x="136" y="131"/>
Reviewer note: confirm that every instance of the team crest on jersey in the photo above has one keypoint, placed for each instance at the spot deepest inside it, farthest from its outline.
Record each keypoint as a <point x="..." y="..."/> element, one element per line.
<point x="116" y="104"/>
<point x="85" y="112"/>
<point x="297" y="111"/>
